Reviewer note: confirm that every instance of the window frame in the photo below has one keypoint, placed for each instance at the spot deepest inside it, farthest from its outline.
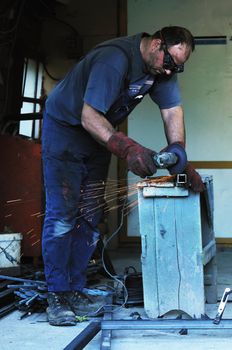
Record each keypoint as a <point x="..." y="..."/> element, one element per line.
<point x="35" y="117"/>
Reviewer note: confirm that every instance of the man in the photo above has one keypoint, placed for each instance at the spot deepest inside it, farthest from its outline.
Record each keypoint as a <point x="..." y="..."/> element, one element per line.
<point x="79" y="135"/>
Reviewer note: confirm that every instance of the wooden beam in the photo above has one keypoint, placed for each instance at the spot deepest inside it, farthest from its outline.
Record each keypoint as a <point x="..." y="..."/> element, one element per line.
<point x="212" y="164"/>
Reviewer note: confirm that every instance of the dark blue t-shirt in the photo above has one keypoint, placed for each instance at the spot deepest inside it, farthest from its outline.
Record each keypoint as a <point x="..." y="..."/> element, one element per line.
<point x="112" y="78"/>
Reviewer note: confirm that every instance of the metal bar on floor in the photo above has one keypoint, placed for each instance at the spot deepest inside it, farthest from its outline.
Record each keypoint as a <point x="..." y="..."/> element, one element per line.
<point x="106" y="333"/>
<point x="85" y="336"/>
<point x="165" y="324"/>
<point x="5" y="310"/>
<point x="105" y="326"/>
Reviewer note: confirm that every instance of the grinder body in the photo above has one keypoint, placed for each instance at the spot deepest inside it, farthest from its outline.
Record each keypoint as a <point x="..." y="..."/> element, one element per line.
<point x="174" y="158"/>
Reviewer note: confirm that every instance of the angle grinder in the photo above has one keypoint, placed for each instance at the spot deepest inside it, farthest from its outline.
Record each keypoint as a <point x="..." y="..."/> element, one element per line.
<point x="174" y="158"/>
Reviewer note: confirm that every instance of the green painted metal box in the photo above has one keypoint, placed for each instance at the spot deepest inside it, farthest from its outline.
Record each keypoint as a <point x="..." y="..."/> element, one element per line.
<point x="178" y="247"/>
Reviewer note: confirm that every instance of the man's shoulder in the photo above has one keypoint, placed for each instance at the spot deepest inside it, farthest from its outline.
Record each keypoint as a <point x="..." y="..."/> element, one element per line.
<point x="123" y="43"/>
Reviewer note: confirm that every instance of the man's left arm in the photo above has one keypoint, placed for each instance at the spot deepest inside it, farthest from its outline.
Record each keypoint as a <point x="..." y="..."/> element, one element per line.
<point x="174" y="127"/>
<point x="173" y="119"/>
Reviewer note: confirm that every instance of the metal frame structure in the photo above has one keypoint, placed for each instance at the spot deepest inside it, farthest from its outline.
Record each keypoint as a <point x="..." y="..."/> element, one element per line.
<point x="107" y="326"/>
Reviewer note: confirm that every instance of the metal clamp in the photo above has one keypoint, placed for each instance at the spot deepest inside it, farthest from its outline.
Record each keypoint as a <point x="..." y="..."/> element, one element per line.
<point x="222" y="306"/>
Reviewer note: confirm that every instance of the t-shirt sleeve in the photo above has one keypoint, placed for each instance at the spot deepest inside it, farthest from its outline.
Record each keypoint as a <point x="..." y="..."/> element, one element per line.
<point x="166" y="93"/>
<point x="105" y="82"/>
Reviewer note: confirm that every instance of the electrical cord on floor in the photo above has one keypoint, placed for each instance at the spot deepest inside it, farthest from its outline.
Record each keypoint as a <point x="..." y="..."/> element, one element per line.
<point x="116" y="278"/>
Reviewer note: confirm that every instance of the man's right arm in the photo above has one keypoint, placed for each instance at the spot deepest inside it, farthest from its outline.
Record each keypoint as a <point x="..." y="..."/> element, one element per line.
<point x="96" y="124"/>
<point x="139" y="159"/>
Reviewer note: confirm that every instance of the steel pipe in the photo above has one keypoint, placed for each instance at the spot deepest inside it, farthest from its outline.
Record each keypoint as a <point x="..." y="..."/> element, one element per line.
<point x="164" y="324"/>
<point x="85" y="336"/>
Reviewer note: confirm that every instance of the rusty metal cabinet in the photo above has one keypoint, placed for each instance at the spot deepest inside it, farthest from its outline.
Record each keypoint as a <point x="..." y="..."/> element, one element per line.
<point x="21" y="191"/>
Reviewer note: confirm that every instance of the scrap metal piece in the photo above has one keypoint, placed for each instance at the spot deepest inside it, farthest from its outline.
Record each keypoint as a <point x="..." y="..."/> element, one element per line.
<point x="180" y="325"/>
<point x="165" y="324"/>
<point x="183" y="331"/>
<point x="98" y="292"/>
<point x="85" y="336"/>
<point x="222" y="306"/>
<point x="181" y="179"/>
<point x="16" y="279"/>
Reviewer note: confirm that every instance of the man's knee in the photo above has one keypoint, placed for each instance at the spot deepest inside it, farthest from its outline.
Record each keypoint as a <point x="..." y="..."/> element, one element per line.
<point x="57" y="228"/>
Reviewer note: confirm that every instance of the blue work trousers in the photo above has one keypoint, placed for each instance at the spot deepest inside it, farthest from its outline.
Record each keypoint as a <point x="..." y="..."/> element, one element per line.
<point x="75" y="168"/>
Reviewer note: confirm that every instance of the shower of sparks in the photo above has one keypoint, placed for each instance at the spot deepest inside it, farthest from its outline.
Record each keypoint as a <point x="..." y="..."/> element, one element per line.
<point x="40" y="215"/>
<point x="36" y="214"/>
<point x="103" y="196"/>
<point x="36" y="242"/>
<point x="30" y="231"/>
<point x="14" y="200"/>
<point x="107" y="197"/>
<point x="114" y="194"/>
<point x="130" y="206"/>
<point x="93" y="243"/>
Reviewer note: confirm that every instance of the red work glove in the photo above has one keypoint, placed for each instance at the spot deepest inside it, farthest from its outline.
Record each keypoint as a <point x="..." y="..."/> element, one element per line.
<point x="139" y="159"/>
<point x="194" y="179"/>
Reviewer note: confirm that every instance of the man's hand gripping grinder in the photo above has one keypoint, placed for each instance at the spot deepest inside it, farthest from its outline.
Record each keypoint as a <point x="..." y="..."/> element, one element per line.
<point x="173" y="158"/>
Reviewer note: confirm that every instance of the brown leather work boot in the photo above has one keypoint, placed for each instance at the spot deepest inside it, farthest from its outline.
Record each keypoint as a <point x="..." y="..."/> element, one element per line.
<point x="84" y="305"/>
<point x="59" y="312"/>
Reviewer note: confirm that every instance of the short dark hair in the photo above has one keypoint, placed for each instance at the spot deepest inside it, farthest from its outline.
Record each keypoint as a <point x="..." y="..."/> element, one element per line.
<point x="174" y="35"/>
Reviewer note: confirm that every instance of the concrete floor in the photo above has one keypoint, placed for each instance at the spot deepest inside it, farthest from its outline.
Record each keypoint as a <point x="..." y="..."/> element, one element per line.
<point x="35" y="333"/>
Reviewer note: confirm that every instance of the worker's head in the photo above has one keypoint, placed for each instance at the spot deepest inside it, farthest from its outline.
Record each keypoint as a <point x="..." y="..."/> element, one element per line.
<point x="168" y="50"/>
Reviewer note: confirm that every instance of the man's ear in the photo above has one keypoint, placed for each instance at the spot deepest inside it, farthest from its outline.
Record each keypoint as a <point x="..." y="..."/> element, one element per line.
<point x="156" y="44"/>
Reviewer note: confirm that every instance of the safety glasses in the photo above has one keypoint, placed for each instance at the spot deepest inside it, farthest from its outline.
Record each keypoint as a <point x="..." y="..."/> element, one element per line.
<point x="169" y="62"/>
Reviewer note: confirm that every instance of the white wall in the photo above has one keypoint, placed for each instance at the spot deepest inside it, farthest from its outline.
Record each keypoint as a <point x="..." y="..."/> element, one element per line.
<point x="202" y="17"/>
<point x="206" y="87"/>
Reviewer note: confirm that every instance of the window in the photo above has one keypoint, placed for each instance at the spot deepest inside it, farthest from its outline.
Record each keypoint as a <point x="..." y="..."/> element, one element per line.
<point x="31" y="113"/>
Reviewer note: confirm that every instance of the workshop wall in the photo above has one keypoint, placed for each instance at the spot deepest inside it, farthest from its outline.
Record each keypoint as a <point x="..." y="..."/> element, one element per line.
<point x="206" y="88"/>
<point x="79" y="27"/>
